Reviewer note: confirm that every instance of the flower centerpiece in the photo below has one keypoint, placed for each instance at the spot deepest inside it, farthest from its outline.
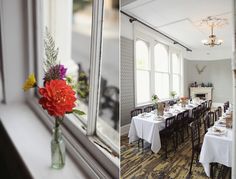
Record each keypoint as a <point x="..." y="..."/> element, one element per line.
<point x="173" y="94"/>
<point x="57" y="97"/>
<point x="183" y="101"/>
<point x="159" y="105"/>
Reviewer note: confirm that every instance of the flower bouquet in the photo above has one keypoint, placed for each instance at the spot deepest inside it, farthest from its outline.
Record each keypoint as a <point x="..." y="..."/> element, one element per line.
<point x="57" y="97"/>
<point x="183" y="101"/>
<point x="173" y="94"/>
<point x="159" y="105"/>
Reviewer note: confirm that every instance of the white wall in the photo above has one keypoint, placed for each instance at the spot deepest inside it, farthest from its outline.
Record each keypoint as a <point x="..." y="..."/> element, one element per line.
<point x="217" y="72"/>
<point x="126" y="28"/>
<point x="14" y="51"/>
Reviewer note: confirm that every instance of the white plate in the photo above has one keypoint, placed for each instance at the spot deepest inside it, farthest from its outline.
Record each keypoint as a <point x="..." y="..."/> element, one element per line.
<point x="214" y="130"/>
<point x="158" y="119"/>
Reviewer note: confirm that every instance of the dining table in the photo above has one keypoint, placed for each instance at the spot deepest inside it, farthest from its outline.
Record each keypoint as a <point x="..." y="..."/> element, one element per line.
<point x="147" y="126"/>
<point x="217" y="146"/>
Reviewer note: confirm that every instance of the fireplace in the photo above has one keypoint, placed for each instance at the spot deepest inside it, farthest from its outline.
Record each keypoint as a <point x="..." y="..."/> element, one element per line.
<point x="201" y="92"/>
<point x="201" y="95"/>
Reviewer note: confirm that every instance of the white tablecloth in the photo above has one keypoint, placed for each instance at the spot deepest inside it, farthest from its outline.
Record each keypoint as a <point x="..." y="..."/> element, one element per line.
<point x="146" y="128"/>
<point x="216" y="149"/>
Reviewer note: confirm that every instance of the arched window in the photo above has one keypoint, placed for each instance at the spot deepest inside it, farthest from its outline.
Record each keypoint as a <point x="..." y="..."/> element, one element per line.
<point x="162" y="78"/>
<point x="142" y="72"/>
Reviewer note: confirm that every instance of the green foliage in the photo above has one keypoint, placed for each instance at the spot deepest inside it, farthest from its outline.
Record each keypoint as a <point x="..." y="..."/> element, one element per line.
<point x="80" y="4"/>
<point x="155" y="98"/>
<point x="173" y="93"/>
<point x="51" y="51"/>
<point x="76" y="111"/>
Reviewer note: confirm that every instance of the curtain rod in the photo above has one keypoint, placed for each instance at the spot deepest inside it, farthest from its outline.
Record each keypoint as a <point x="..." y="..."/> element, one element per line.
<point x="132" y="19"/>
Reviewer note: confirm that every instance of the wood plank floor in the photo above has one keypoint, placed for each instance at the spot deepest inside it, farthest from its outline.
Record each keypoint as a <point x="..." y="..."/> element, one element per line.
<point x="141" y="163"/>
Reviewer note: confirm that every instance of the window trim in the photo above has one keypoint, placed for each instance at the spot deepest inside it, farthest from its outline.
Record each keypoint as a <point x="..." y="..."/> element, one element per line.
<point x="80" y="144"/>
<point x="140" y="37"/>
<point x="152" y="38"/>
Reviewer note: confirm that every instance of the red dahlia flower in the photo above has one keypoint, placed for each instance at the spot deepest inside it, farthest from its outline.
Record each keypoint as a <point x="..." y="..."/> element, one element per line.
<point x="57" y="98"/>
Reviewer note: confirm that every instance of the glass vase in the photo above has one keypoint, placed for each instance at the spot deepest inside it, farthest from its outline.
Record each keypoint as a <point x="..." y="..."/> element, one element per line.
<point x="57" y="149"/>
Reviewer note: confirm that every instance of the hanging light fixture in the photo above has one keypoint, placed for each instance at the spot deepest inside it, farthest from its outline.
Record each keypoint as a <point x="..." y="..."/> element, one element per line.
<point x="213" y="22"/>
<point x="212" y="40"/>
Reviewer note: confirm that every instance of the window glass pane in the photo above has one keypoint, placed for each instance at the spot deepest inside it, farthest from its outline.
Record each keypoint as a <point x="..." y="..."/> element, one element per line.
<point x="142" y="55"/>
<point x="108" y="119"/>
<point x="143" y="86"/>
<point x="72" y="36"/>
<point x="176" y="84"/>
<point x="161" y="58"/>
<point x="162" y="85"/>
<point x="175" y="63"/>
<point x="80" y="48"/>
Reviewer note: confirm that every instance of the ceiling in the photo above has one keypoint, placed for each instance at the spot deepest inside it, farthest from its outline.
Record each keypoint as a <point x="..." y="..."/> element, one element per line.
<point x="180" y="19"/>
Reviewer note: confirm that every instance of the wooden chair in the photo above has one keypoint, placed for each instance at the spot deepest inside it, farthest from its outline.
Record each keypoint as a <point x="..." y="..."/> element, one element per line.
<point x="205" y="106"/>
<point x="226" y="106"/>
<point x="179" y="127"/>
<point x="195" y="138"/>
<point x="186" y="121"/>
<point x="212" y="117"/>
<point x="136" y="112"/>
<point x="217" y="114"/>
<point x="220" y="111"/>
<point x="153" y="107"/>
<point x="209" y="105"/>
<point x="168" y="133"/>
<point x="148" y="109"/>
<point x="208" y="122"/>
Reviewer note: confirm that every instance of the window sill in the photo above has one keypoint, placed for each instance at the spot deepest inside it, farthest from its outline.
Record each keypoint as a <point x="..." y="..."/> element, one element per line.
<point x="88" y="151"/>
<point x="32" y="142"/>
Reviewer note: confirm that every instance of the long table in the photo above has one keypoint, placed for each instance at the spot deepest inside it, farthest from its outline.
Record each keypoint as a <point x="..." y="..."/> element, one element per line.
<point x="147" y="126"/>
<point x="216" y="148"/>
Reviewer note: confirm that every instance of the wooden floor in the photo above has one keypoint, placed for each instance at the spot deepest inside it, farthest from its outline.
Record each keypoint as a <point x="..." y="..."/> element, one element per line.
<point x="141" y="163"/>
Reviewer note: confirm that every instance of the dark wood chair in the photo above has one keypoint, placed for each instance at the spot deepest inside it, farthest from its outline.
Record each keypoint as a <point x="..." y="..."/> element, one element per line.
<point x="209" y="105"/>
<point x="136" y="112"/>
<point x="148" y="109"/>
<point x="212" y="117"/>
<point x="154" y="107"/>
<point x="168" y="133"/>
<point x="217" y="114"/>
<point x="226" y="106"/>
<point x="220" y="111"/>
<point x="186" y="121"/>
<point x="179" y="127"/>
<point x="208" y="122"/>
<point x="204" y="106"/>
<point x="195" y="138"/>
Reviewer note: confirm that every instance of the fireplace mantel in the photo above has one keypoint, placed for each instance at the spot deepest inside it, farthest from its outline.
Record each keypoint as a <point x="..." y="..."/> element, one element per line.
<point x="201" y="91"/>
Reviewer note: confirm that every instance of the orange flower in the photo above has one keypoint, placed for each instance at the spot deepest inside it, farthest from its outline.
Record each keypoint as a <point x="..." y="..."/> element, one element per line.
<point x="57" y="98"/>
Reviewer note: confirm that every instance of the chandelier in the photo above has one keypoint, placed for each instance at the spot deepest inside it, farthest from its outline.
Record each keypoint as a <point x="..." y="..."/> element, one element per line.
<point x="212" y="40"/>
<point x="213" y="22"/>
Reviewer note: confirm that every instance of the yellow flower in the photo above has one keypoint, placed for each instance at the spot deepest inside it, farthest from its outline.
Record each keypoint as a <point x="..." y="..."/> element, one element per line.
<point x="29" y="83"/>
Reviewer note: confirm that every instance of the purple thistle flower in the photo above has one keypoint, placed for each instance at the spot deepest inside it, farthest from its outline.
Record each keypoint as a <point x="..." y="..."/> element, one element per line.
<point x="55" y="72"/>
<point x="62" y="71"/>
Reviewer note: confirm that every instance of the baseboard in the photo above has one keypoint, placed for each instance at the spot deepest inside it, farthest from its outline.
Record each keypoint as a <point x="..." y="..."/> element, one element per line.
<point x="125" y="129"/>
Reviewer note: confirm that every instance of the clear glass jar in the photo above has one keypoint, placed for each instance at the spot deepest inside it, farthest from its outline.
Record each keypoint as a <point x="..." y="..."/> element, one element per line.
<point x="57" y="149"/>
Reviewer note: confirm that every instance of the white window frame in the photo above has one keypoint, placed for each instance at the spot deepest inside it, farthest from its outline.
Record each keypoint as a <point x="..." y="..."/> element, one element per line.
<point x="152" y="38"/>
<point x="179" y="55"/>
<point x="147" y="70"/>
<point x="92" y="149"/>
